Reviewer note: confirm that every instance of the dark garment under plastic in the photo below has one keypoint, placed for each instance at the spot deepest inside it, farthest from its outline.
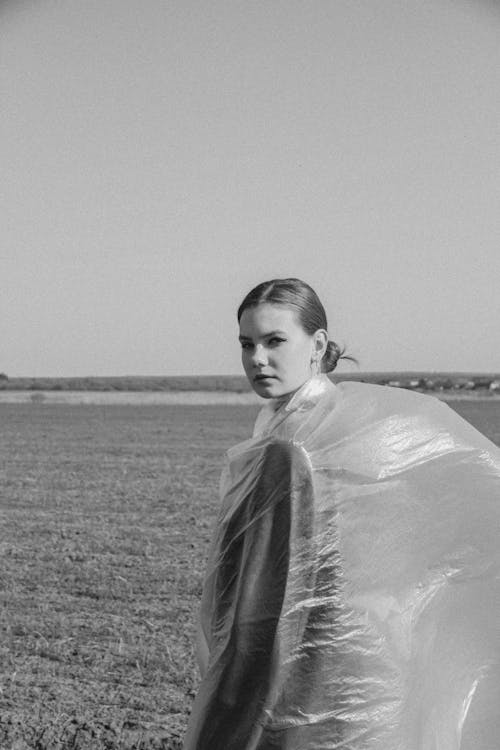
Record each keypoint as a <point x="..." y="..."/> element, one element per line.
<point x="352" y="598"/>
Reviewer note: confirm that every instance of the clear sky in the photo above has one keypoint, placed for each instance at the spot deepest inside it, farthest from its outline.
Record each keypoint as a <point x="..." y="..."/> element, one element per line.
<point x="161" y="157"/>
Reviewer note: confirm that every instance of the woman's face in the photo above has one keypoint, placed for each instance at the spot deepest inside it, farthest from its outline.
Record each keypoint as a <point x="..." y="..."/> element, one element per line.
<point x="276" y="351"/>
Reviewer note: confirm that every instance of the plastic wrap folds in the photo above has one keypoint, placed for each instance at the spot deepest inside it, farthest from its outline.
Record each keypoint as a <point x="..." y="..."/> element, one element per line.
<point x="353" y="592"/>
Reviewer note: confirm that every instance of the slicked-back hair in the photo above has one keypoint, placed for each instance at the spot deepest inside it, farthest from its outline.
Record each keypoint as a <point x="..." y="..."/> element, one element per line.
<point x="300" y="297"/>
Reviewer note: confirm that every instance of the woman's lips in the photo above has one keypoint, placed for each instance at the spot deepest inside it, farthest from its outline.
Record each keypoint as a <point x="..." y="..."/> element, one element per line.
<point x="259" y="378"/>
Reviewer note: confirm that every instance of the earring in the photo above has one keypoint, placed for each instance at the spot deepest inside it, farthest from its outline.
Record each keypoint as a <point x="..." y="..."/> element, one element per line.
<point x="314" y="366"/>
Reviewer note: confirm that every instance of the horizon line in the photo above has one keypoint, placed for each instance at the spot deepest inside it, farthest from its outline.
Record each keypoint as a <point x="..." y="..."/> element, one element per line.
<point x="243" y="376"/>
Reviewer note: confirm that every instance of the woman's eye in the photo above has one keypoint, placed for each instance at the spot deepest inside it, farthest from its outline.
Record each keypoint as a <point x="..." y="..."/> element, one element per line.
<point x="245" y="344"/>
<point x="276" y="340"/>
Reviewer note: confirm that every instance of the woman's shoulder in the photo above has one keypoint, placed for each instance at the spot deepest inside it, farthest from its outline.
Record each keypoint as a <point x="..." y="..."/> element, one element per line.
<point x="386" y="398"/>
<point x="410" y="410"/>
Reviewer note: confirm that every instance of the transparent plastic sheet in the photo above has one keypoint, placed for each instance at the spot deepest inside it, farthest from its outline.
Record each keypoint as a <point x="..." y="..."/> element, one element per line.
<point x="352" y="598"/>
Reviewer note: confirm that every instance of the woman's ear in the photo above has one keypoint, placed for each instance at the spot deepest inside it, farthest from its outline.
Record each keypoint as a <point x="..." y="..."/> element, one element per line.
<point x="320" y="343"/>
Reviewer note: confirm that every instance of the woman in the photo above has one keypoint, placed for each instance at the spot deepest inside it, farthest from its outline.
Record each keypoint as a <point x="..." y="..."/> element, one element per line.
<point x="352" y="598"/>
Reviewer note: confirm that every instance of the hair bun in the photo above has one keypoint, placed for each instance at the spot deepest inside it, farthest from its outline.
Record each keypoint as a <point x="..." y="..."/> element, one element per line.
<point x="331" y="356"/>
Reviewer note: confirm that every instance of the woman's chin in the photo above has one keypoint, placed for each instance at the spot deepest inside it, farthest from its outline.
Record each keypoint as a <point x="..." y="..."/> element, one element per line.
<point x="268" y="388"/>
<point x="274" y="387"/>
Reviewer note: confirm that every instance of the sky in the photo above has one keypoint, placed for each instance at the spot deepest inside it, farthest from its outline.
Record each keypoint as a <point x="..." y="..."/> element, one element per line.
<point x="161" y="157"/>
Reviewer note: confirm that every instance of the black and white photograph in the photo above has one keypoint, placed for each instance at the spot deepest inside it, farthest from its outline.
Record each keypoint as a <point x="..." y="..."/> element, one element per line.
<point x="250" y="375"/>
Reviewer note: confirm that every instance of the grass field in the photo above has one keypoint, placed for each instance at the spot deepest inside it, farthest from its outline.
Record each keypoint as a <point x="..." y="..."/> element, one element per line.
<point x="106" y="518"/>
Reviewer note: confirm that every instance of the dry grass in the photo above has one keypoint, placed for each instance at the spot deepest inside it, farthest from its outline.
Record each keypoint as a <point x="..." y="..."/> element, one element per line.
<point x="106" y="518"/>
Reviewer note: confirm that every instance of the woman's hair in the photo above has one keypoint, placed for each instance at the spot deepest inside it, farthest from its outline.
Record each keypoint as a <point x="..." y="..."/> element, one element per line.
<point x="302" y="298"/>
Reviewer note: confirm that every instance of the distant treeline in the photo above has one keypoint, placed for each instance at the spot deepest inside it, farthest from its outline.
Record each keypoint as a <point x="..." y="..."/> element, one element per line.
<point x="418" y="381"/>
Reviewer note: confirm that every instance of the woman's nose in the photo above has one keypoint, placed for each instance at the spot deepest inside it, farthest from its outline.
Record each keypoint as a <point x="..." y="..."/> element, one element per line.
<point x="259" y="355"/>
